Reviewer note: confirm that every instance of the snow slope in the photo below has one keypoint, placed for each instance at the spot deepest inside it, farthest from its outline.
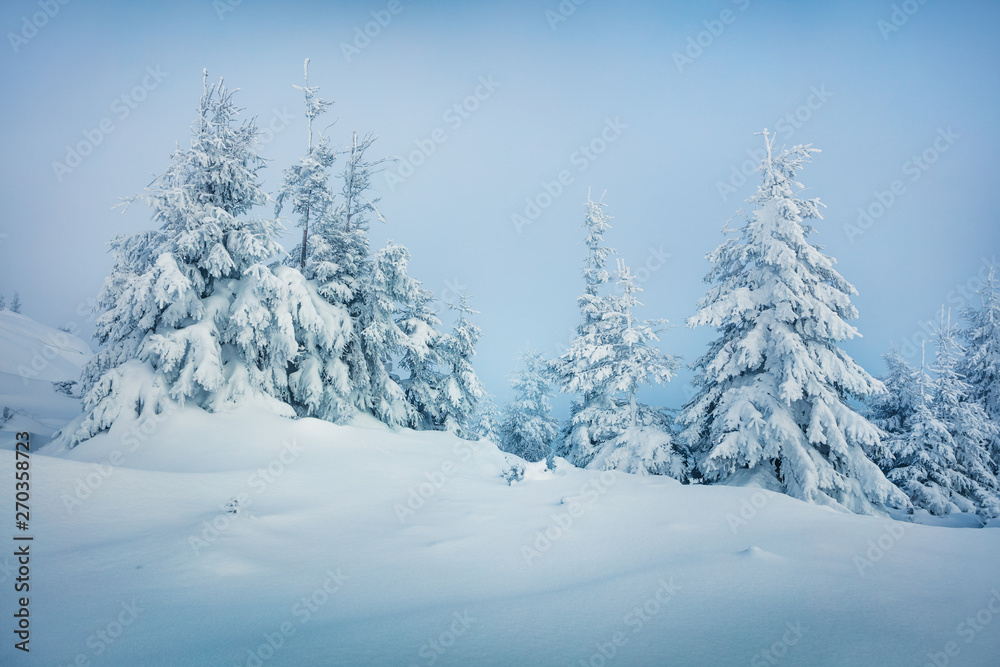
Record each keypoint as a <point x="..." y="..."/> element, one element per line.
<point x="326" y="563"/>
<point x="32" y="357"/>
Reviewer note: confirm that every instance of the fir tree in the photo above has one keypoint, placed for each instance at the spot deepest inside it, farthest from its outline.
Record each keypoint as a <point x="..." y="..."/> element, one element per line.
<point x="421" y="358"/>
<point x="943" y="463"/>
<point x="585" y="431"/>
<point x="320" y="384"/>
<point x="461" y="389"/>
<point x="348" y="275"/>
<point x="527" y="428"/>
<point x="307" y="185"/>
<point x="971" y="429"/>
<point x="380" y="339"/>
<point x="925" y="465"/>
<point x="890" y="410"/>
<point x="611" y="357"/>
<point x="981" y="363"/>
<point x="15" y="303"/>
<point x="3" y="302"/>
<point x="772" y="404"/>
<point x="486" y="424"/>
<point x="644" y="442"/>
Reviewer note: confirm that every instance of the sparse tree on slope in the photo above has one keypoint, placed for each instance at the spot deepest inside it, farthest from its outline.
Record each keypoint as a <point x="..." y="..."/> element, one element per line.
<point x="772" y="404"/>
<point x="321" y="383"/>
<point x="925" y="466"/>
<point x="486" y="425"/>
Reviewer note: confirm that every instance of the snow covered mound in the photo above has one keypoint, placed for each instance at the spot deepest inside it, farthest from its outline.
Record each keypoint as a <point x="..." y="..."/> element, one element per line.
<point x="33" y="356"/>
<point x="248" y="539"/>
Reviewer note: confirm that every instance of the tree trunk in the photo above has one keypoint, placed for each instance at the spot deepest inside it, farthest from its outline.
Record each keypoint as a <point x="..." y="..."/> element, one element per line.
<point x="305" y="239"/>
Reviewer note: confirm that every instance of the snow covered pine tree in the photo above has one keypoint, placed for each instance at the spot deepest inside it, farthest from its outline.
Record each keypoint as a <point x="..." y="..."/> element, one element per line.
<point x="771" y="408"/>
<point x="584" y="432"/>
<point x="981" y="363"/>
<point x="527" y="427"/>
<point x="321" y="383"/>
<point x="389" y="317"/>
<point x="943" y="462"/>
<point x="891" y="409"/>
<point x="461" y="388"/>
<point x="191" y="310"/>
<point x="924" y="464"/>
<point x="613" y="355"/>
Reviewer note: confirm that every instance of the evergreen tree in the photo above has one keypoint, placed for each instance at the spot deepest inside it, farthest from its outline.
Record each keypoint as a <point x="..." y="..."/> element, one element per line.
<point x="486" y="424"/>
<point x="586" y="429"/>
<point x="348" y="275"/>
<point x="925" y="465"/>
<point x="15" y="303"/>
<point x="461" y="389"/>
<point x="191" y="311"/>
<point x="3" y="302"/>
<point x="421" y="358"/>
<point x="772" y="404"/>
<point x="611" y="357"/>
<point x="381" y="339"/>
<point x="890" y="410"/>
<point x="320" y="384"/>
<point x="943" y="464"/>
<point x="971" y="429"/>
<point x="306" y="185"/>
<point x="981" y="363"/>
<point x="644" y="442"/>
<point x="527" y="428"/>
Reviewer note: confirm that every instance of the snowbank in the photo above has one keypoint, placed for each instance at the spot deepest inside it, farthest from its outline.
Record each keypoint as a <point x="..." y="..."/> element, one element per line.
<point x="248" y="539"/>
<point x="33" y="356"/>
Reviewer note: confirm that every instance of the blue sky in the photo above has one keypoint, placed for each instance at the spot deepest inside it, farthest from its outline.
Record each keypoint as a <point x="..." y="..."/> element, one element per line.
<point x="899" y="96"/>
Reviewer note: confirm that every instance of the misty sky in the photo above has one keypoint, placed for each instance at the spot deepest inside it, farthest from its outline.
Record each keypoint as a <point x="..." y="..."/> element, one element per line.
<point x="666" y="99"/>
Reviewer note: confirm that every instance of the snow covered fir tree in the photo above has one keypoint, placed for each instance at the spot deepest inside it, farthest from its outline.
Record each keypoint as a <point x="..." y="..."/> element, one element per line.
<point x="612" y="356"/>
<point x="461" y="390"/>
<point x="772" y="407"/>
<point x="527" y="427"/>
<point x="939" y="437"/>
<point x="890" y="410"/>
<point x="980" y="365"/>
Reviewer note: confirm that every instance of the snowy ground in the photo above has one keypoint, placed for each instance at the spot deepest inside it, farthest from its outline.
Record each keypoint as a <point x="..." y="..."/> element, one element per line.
<point x="356" y="545"/>
<point x="32" y="357"/>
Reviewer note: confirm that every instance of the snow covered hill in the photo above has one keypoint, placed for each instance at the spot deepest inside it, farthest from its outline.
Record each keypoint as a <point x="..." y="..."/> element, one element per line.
<point x="33" y="356"/>
<point x="248" y="539"/>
